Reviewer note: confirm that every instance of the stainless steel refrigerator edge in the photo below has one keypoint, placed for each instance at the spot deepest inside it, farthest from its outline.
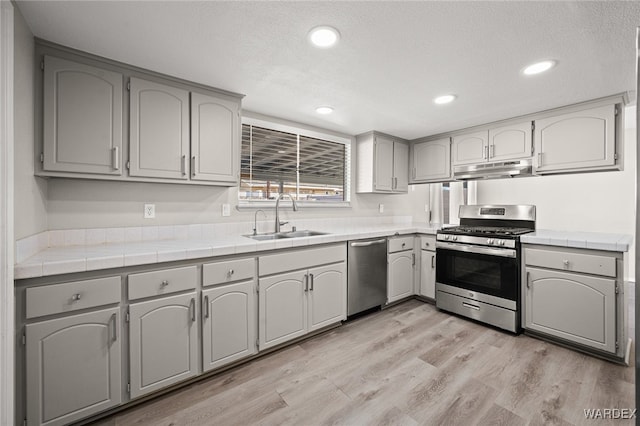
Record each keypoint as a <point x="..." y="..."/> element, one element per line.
<point x="366" y="274"/>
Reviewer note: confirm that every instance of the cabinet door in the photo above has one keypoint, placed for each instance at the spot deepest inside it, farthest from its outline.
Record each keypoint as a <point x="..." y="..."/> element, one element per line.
<point x="510" y="142"/>
<point x="428" y="274"/>
<point x="470" y="148"/>
<point x="228" y="324"/>
<point x="215" y="139"/>
<point x="575" y="307"/>
<point x="383" y="159"/>
<point x="327" y="295"/>
<point x="163" y="342"/>
<point x="73" y="367"/>
<point x="82" y="118"/>
<point x="431" y="161"/>
<point x="282" y="308"/>
<point x="579" y="140"/>
<point x="400" y="167"/>
<point x="400" y="282"/>
<point x="159" y="130"/>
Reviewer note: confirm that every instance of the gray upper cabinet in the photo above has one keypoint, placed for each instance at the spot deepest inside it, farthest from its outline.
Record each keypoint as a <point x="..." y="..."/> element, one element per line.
<point x="431" y="161"/>
<point x="382" y="164"/>
<point x="82" y="122"/>
<point x="215" y="139"/>
<point x="510" y="142"/>
<point x="470" y="148"/>
<point x="576" y="141"/>
<point x="159" y="130"/>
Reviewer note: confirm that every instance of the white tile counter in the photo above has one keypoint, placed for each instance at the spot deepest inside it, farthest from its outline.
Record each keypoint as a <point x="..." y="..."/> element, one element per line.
<point x="80" y="257"/>
<point x="588" y="240"/>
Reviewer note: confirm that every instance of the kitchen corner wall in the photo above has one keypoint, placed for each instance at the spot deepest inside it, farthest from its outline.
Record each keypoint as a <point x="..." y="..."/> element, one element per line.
<point x="591" y="202"/>
<point x="30" y="193"/>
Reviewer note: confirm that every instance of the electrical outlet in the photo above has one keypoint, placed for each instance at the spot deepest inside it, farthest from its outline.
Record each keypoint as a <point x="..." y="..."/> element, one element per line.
<point x="226" y="210"/>
<point x="380" y="208"/>
<point x="149" y="211"/>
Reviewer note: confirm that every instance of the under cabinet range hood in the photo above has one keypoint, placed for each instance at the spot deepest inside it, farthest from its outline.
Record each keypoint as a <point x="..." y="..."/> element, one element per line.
<point x="503" y="169"/>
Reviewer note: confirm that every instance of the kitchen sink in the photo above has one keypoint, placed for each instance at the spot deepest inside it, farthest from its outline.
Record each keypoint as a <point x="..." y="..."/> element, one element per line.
<point x="281" y="235"/>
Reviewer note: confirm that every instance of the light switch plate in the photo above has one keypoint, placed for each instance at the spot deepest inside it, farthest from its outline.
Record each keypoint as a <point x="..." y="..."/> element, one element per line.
<point x="226" y="210"/>
<point x="149" y="211"/>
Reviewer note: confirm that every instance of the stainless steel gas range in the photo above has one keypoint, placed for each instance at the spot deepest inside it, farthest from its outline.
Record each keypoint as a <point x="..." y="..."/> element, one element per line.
<point x="478" y="263"/>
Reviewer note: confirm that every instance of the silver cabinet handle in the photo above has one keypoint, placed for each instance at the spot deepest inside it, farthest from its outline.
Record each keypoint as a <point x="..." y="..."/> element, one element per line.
<point x="115" y="158"/>
<point x="193" y="165"/>
<point x="192" y="309"/>
<point x="306" y="282"/>
<point x="470" y="306"/>
<point x="184" y="165"/>
<point x="485" y="152"/>
<point x="528" y="283"/>
<point x="114" y="326"/>
<point x="206" y="306"/>
<point x="433" y="259"/>
<point x="311" y="282"/>
<point x="164" y="283"/>
<point x="76" y="297"/>
<point x="539" y="159"/>
<point x="414" y="172"/>
<point x="492" y="151"/>
<point x="395" y="183"/>
<point x="231" y="272"/>
<point x="413" y="259"/>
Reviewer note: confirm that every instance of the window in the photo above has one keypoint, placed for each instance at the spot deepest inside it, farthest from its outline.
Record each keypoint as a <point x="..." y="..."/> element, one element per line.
<point x="311" y="167"/>
<point x="448" y="206"/>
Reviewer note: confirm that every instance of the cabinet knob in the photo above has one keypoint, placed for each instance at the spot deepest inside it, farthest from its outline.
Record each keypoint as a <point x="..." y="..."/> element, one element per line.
<point x="565" y="262"/>
<point x="164" y="283"/>
<point x="231" y="272"/>
<point x="76" y="297"/>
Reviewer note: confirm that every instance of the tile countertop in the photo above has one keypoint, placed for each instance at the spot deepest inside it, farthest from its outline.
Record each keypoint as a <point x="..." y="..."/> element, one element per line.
<point x="588" y="240"/>
<point x="82" y="258"/>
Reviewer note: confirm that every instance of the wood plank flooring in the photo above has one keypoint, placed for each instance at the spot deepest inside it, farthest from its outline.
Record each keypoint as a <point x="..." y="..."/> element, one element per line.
<point x="407" y="365"/>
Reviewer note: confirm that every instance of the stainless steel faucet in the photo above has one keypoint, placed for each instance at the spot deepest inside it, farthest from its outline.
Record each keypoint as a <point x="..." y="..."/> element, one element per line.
<point x="295" y="209"/>
<point x="255" y="221"/>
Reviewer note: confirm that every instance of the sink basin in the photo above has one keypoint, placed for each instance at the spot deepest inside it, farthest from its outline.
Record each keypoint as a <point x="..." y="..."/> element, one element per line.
<point x="281" y="235"/>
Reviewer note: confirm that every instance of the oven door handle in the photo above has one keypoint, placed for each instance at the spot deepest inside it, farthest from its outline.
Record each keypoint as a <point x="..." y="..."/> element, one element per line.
<point x="476" y="249"/>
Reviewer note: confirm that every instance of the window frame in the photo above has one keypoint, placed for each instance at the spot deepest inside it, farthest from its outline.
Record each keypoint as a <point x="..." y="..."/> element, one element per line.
<point x="302" y="131"/>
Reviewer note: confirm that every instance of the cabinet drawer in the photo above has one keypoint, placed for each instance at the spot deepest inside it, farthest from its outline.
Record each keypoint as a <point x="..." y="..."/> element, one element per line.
<point x="428" y="242"/>
<point x="68" y="297"/>
<point x="301" y="259"/>
<point x="228" y="271"/>
<point x="400" y="244"/>
<point x="166" y="281"/>
<point x="576" y="262"/>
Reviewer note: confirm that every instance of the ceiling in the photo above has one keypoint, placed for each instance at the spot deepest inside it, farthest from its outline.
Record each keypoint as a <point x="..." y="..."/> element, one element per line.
<point x="393" y="57"/>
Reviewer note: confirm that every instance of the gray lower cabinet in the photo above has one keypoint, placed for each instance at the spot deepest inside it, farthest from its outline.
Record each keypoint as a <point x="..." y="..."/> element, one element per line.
<point x="428" y="267"/>
<point x="401" y="259"/>
<point x="163" y="342"/>
<point x="73" y="367"/>
<point x="575" y="295"/>
<point x="229" y="324"/>
<point x="327" y="295"/>
<point x="82" y="122"/>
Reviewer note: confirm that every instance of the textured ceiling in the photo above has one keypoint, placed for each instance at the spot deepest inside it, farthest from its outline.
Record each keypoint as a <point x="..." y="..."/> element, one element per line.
<point x="392" y="60"/>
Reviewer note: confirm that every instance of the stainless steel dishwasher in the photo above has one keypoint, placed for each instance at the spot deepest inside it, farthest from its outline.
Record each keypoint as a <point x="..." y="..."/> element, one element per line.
<point x="367" y="274"/>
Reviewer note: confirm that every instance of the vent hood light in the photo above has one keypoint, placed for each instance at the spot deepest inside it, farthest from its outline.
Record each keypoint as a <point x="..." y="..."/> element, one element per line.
<point x="324" y="110"/>
<point x="324" y="36"/>
<point x="445" y="99"/>
<point x="538" y="67"/>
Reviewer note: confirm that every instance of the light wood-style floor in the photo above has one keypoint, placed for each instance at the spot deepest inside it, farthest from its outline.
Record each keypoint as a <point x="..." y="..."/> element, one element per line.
<point x="407" y="365"/>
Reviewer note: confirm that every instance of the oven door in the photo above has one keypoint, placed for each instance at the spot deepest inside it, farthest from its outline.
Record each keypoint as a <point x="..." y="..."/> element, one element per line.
<point x="486" y="270"/>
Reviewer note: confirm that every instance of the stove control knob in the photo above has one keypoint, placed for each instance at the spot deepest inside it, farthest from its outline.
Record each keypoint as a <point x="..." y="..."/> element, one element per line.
<point x="455" y="238"/>
<point x="446" y="237"/>
<point x="490" y="241"/>
<point x="501" y="242"/>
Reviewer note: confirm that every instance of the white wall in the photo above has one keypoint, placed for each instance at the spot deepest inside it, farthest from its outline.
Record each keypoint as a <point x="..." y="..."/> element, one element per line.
<point x="592" y="202"/>
<point x="30" y="207"/>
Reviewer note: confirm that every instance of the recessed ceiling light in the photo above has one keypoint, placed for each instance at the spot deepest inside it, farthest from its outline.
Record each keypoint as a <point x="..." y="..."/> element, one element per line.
<point x="324" y="36"/>
<point x="538" y="67"/>
<point x="324" y="110"/>
<point x="444" y="99"/>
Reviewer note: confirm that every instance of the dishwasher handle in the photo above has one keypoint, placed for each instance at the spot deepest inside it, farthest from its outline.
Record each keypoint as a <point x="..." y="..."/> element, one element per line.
<point x="369" y="243"/>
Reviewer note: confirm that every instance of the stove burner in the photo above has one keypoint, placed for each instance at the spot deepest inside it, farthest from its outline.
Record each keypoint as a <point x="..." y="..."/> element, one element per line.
<point x="486" y="230"/>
